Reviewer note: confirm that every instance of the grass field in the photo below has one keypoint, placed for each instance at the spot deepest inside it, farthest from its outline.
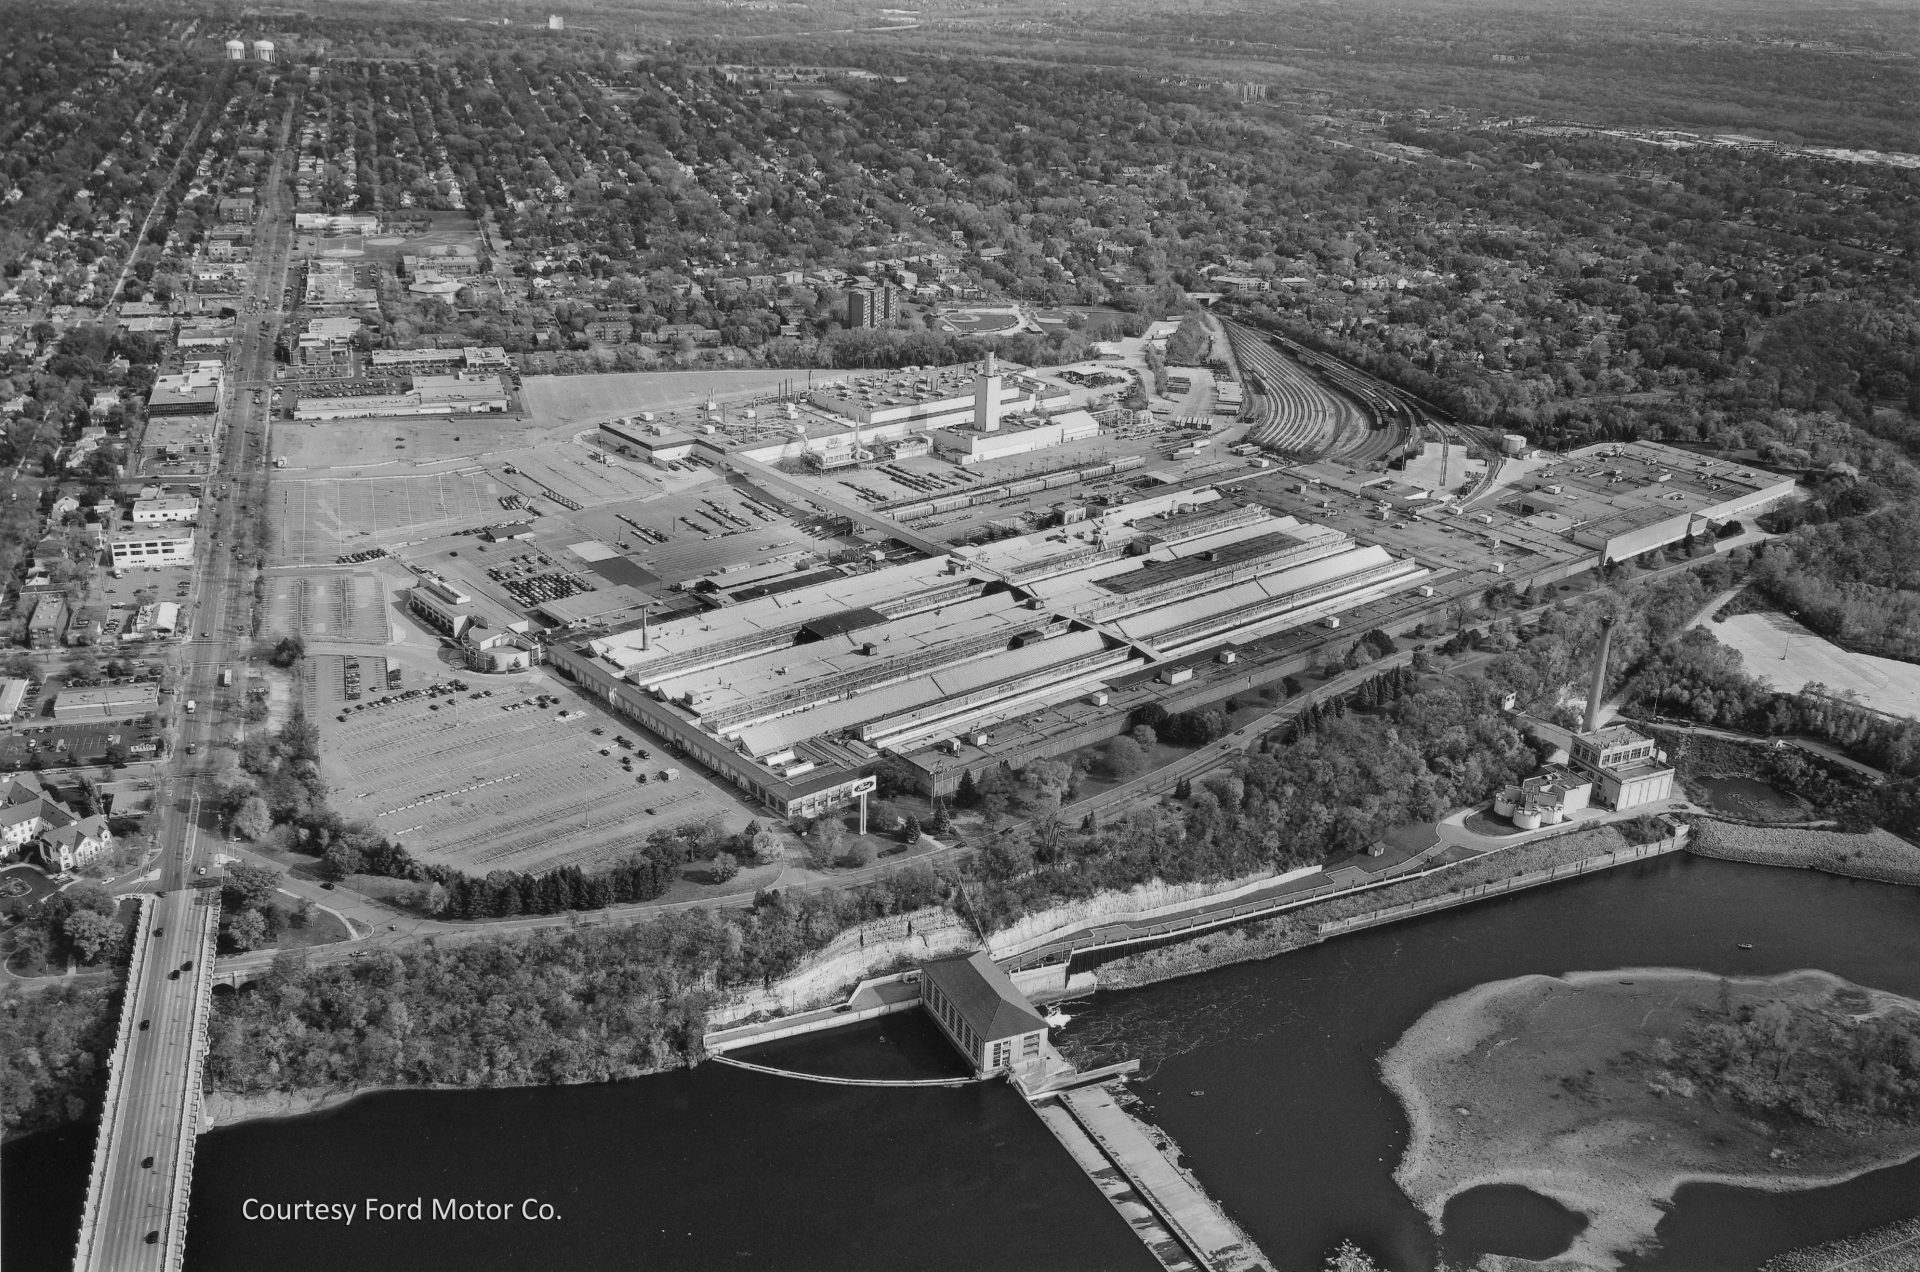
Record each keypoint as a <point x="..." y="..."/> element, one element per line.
<point x="1788" y="656"/>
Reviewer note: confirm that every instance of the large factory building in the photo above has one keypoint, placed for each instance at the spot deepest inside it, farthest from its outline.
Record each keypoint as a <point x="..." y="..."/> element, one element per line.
<point x="796" y="698"/>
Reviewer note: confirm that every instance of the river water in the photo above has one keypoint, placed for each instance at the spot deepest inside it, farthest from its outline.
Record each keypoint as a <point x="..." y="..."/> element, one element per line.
<point x="722" y="1168"/>
<point x="1296" y="1135"/>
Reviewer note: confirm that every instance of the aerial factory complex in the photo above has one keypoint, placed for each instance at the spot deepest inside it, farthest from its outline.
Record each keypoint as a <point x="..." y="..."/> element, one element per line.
<point x="556" y="549"/>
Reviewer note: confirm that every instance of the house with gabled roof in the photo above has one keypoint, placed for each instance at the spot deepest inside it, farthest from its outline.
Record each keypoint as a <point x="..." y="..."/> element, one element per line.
<point x="34" y="826"/>
<point x="984" y="1014"/>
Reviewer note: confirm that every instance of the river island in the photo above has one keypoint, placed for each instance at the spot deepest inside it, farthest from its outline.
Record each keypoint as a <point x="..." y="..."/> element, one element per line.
<point x="1606" y="1091"/>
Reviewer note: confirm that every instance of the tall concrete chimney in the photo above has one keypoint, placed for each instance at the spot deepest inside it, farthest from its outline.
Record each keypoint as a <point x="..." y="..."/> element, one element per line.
<point x="1598" y="692"/>
<point x="986" y="397"/>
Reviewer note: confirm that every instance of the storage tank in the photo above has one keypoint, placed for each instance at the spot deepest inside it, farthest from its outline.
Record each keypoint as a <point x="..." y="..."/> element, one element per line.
<point x="263" y="50"/>
<point x="236" y="51"/>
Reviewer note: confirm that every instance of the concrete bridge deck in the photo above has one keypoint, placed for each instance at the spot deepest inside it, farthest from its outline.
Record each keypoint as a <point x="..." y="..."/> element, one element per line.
<point x="136" y="1208"/>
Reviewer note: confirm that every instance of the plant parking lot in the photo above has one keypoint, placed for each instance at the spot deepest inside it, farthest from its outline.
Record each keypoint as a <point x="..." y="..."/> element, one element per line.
<point x="501" y="776"/>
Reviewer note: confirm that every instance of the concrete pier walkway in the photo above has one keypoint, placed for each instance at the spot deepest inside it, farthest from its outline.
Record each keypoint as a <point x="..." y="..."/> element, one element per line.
<point x="1194" y="1218"/>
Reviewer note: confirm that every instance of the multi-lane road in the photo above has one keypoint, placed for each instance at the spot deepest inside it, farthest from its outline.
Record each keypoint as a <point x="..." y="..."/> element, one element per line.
<point x="135" y="1217"/>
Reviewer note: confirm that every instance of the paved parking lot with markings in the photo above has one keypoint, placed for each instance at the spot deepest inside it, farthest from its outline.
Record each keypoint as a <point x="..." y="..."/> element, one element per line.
<point x="501" y="782"/>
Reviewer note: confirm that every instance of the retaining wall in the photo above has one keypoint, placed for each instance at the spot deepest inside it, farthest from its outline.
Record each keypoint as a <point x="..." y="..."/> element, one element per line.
<point x="1531" y="879"/>
<point x="1142" y="903"/>
<point x="854" y="955"/>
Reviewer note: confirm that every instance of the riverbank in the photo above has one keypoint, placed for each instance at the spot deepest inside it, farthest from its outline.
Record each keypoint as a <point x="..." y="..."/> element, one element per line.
<point x="1298" y="928"/>
<point x="1543" y="1083"/>
<point x="224" y="1108"/>
<point x="1878" y="855"/>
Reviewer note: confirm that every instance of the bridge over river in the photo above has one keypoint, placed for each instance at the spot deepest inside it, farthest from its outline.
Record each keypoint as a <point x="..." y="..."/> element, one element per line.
<point x="136" y="1208"/>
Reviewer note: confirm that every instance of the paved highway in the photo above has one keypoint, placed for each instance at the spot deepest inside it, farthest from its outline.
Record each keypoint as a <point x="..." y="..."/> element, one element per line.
<point x="135" y="1217"/>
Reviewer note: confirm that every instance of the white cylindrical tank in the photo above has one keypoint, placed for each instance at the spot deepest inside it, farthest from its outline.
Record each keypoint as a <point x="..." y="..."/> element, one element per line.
<point x="263" y="50"/>
<point x="236" y="51"/>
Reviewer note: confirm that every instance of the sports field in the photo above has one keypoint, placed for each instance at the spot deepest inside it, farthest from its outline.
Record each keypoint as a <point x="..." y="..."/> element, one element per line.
<point x="1788" y="656"/>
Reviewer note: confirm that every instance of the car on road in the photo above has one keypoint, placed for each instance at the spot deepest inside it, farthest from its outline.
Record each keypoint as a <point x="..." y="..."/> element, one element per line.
<point x="201" y="870"/>
<point x="144" y="1024"/>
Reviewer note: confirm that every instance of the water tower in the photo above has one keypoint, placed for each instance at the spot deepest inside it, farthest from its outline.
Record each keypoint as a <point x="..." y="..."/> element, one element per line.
<point x="263" y="50"/>
<point x="236" y="51"/>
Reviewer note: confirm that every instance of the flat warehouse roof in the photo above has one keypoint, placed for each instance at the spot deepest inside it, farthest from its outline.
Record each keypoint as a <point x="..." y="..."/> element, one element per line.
<point x="842" y="623"/>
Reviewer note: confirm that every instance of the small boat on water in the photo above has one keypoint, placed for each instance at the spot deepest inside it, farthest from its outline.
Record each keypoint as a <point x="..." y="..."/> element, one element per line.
<point x="1746" y="945"/>
<point x="1055" y="1018"/>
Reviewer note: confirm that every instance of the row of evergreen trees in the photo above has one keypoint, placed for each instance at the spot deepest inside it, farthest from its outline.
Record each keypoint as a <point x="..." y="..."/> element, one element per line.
<point x="1373" y="692"/>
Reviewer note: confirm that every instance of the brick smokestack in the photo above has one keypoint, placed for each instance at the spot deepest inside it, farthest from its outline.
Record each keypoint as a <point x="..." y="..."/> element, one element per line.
<point x="1598" y="693"/>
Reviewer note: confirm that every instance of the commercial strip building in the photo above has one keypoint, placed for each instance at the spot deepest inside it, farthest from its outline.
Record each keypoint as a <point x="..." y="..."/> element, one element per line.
<point x="464" y="393"/>
<point x="798" y="697"/>
<point x="164" y="544"/>
<point x="165" y="508"/>
<point x="438" y="361"/>
<point x="109" y="702"/>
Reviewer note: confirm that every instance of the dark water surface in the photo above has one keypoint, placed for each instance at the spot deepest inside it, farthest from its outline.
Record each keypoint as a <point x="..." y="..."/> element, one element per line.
<point x="712" y="1168"/>
<point x="1508" y="1219"/>
<point x="1297" y="1136"/>
<point x="720" y="1168"/>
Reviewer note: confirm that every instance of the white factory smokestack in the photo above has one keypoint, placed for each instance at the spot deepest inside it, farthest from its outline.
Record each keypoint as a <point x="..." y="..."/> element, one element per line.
<point x="1598" y="692"/>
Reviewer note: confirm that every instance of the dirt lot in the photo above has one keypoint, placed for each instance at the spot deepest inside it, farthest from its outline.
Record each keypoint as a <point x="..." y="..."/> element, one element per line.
<point x="1788" y="656"/>
<point x="318" y="519"/>
<point x="502" y="782"/>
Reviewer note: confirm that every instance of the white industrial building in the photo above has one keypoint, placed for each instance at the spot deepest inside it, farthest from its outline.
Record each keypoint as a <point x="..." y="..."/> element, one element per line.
<point x="163" y="544"/>
<point x="653" y="442"/>
<point x="969" y="446"/>
<point x="166" y="508"/>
